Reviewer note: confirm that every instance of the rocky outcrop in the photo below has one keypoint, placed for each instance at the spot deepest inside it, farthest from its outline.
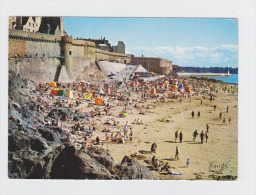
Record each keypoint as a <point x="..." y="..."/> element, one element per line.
<point x="38" y="150"/>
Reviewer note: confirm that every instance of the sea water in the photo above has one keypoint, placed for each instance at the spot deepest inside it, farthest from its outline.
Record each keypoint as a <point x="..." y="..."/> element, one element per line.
<point x="232" y="79"/>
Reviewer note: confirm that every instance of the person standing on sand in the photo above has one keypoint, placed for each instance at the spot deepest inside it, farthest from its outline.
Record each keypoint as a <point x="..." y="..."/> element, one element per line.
<point x="207" y="128"/>
<point x="195" y="134"/>
<point x="229" y="120"/>
<point x="153" y="147"/>
<point x="214" y="107"/>
<point x="206" y="137"/>
<point x="125" y="129"/>
<point x="202" y="137"/>
<point x="181" y="136"/>
<point x="227" y="109"/>
<point x="176" y="135"/>
<point x="220" y="115"/>
<point x="192" y="114"/>
<point x="198" y="114"/>
<point x="224" y="121"/>
<point x="177" y="154"/>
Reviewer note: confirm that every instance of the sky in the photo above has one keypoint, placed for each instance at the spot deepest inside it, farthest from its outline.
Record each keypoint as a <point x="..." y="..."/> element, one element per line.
<point x="198" y="42"/>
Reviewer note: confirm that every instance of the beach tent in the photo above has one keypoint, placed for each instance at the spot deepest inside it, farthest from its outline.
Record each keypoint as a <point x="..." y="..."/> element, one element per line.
<point x="126" y="72"/>
<point x="62" y="92"/>
<point x="88" y="96"/>
<point x="98" y="101"/>
<point x="110" y="68"/>
<point x="53" y="84"/>
<point x="181" y="86"/>
<point x="140" y="69"/>
<point x="55" y="91"/>
<point x="58" y="92"/>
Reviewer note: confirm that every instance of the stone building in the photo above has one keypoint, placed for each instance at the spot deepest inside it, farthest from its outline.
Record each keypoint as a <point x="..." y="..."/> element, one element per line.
<point x="52" y="25"/>
<point x="151" y="64"/>
<point x="120" y="48"/>
<point x="28" y="24"/>
<point x="47" y="25"/>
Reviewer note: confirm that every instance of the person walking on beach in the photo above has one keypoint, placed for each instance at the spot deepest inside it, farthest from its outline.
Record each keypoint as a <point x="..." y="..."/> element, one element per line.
<point x="224" y="121"/>
<point x="229" y="120"/>
<point x="220" y="115"/>
<point x="192" y="114"/>
<point x="202" y="137"/>
<point x="198" y="114"/>
<point x="195" y="134"/>
<point x="207" y="128"/>
<point x="227" y="109"/>
<point x="125" y="129"/>
<point x="176" y="135"/>
<point x="206" y="137"/>
<point x="214" y="107"/>
<point x="181" y="136"/>
<point x="177" y="154"/>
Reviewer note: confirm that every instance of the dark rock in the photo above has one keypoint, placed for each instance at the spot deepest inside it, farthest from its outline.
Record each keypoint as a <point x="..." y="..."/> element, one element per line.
<point x="38" y="151"/>
<point x="131" y="169"/>
<point x="61" y="113"/>
<point x="72" y="164"/>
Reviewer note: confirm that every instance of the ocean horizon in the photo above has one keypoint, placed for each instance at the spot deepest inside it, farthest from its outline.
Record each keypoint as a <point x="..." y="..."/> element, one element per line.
<point x="232" y="79"/>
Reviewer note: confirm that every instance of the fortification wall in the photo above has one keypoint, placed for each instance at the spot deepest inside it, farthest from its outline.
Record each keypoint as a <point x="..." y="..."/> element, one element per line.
<point x="37" y="69"/>
<point x="46" y="49"/>
<point x="110" y="56"/>
<point x="157" y="65"/>
<point x="33" y="44"/>
<point x="31" y="35"/>
<point x="17" y="47"/>
<point x="34" y="56"/>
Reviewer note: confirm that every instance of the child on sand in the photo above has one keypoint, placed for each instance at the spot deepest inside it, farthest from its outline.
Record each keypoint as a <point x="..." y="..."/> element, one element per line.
<point x="188" y="162"/>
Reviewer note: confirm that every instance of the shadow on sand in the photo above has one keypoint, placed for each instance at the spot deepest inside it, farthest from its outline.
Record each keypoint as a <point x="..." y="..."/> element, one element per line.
<point x="195" y="143"/>
<point x="170" y="159"/>
<point x="145" y="152"/>
<point x="172" y="142"/>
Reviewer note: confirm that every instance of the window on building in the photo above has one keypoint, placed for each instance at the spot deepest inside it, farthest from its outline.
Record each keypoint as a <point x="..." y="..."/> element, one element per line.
<point x="70" y="53"/>
<point x="29" y="23"/>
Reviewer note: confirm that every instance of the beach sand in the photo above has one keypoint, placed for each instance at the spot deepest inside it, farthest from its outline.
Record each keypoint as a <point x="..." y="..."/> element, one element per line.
<point x="159" y="126"/>
<point x="212" y="160"/>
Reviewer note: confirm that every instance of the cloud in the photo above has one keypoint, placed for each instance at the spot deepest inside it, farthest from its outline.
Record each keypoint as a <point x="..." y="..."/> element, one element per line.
<point x="221" y="55"/>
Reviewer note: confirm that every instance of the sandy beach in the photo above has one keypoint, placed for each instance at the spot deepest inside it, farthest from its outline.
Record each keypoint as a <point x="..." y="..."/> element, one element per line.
<point x="217" y="159"/>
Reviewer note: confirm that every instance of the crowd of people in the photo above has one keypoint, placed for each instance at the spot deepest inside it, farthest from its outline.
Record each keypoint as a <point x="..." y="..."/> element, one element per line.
<point x="99" y="123"/>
